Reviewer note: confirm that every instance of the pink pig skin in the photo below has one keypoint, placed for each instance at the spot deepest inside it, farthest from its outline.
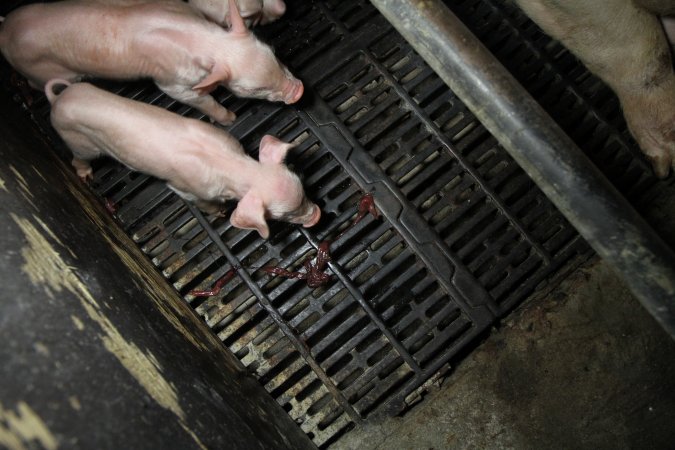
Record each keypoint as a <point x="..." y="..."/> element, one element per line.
<point x="272" y="10"/>
<point x="202" y="163"/>
<point x="253" y="12"/>
<point x="219" y="11"/>
<point x="186" y="55"/>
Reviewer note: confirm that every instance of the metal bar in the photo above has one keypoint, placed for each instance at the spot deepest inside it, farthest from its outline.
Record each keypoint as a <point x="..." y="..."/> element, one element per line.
<point x="569" y="179"/>
<point x="571" y="87"/>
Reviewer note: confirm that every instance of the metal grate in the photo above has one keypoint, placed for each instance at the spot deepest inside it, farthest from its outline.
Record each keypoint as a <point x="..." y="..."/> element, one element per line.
<point x="465" y="235"/>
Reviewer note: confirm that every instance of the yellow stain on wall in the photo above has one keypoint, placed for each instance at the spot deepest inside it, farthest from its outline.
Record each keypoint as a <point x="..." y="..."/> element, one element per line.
<point x="78" y="323"/>
<point x="21" y="180"/>
<point x="157" y="290"/>
<point x="45" y="267"/>
<point x="53" y="236"/>
<point x="39" y="174"/>
<point x="18" y="429"/>
<point x="23" y="185"/>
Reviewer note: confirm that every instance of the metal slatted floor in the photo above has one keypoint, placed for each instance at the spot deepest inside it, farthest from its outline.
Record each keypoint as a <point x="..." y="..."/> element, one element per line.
<point x="464" y="235"/>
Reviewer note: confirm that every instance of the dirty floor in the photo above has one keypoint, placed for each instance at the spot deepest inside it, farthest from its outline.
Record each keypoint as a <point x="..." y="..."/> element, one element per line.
<point x="586" y="367"/>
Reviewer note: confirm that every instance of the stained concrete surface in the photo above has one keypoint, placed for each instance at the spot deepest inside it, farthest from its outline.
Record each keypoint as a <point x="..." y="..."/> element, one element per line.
<point x="585" y="368"/>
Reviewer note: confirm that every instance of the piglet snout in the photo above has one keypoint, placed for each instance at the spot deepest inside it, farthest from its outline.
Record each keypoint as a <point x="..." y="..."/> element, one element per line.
<point x="314" y="219"/>
<point x="294" y="93"/>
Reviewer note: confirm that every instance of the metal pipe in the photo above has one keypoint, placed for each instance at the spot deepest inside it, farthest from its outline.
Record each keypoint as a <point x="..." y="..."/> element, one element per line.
<point x="568" y="178"/>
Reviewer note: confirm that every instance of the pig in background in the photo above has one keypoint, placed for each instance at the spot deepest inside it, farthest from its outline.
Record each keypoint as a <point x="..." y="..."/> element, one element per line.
<point x="200" y="162"/>
<point x="254" y="12"/>
<point x="186" y="55"/>
<point x="623" y="42"/>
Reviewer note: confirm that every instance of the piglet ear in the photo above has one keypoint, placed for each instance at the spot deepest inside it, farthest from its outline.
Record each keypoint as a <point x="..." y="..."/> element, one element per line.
<point x="250" y="215"/>
<point x="272" y="150"/>
<point x="237" y="24"/>
<point x="217" y="74"/>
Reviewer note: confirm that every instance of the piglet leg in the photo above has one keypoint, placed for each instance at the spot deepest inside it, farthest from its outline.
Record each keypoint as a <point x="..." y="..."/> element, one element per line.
<point x="83" y="169"/>
<point x="83" y="152"/>
<point x="626" y="46"/>
<point x="204" y="103"/>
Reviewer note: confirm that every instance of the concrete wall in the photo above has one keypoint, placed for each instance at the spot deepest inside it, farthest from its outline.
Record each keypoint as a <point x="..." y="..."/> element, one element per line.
<point x="97" y="350"/>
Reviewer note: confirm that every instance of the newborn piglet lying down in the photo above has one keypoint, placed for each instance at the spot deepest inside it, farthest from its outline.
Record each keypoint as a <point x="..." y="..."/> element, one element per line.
<point x="200" y="162"/>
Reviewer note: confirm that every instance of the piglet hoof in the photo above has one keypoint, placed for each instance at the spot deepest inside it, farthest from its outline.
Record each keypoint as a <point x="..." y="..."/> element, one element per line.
<point x="651" y="119"/>
<point x="85" y="175"/>
<point x="83" y="170"/>
<point x="86" y="179"/>
<point x="662" y="158"/>
<point x="226" y="118"/>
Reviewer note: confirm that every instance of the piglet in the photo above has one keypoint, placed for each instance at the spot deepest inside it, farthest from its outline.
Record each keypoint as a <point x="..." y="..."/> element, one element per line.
<point x="253" y="12"/>
<point x="186" y="55"/>
<point x="200" y="162"/>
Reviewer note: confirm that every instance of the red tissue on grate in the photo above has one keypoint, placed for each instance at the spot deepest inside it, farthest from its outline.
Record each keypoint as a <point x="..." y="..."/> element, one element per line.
<point x="217" y="286"/>
<point x="315" y="272"/>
